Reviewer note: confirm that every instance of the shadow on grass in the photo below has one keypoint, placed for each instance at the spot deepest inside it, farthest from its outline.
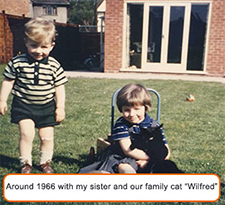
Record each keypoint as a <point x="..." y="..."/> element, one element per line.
<point x="81" y="161"/>
<point x="9" y="162"/>
<point x="13" y="164"/>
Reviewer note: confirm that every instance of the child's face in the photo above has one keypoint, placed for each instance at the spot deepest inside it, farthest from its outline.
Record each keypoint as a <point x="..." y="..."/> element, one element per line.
<point x="135" y="114"/>
<point x="39" y="51"/>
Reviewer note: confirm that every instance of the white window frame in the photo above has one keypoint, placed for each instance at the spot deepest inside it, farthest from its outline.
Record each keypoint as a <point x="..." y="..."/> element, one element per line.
<point x="163" y="68"/>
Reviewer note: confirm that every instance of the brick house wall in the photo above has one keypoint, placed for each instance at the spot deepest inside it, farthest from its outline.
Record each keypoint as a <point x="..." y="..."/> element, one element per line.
<point x="6" y="39"/>
<point x="216" y="46"/>
<point x="215" y="65"/>
<point x="15" y="7"/>
<point x="113" y="35"/>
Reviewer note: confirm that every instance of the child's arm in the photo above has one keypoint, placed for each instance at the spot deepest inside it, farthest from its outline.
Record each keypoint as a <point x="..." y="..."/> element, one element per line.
<point x="60" y="103"/>
<point x="137" y="154"/>
<point x="6" y="88"/>
<point x="142" y="163"/>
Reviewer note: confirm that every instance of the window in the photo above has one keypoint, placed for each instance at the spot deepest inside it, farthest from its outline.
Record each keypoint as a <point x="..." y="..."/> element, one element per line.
<point x="166" y="36"/>
<point x="176" y="29"/>
<point x="155" y="34"/>
<point x="135" y="28"/>
<point x="49" y="10"/>
<point x="197" y="36"/>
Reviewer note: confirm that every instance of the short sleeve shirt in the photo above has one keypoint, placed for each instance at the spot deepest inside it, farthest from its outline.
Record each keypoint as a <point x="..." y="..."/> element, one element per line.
<point x="35" y="81"/>
<point x="121" y="128"/>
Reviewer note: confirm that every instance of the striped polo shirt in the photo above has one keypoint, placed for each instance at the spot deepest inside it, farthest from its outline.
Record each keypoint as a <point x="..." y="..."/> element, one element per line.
<point x="122" y="126"/>
<point x="35" y="81"/>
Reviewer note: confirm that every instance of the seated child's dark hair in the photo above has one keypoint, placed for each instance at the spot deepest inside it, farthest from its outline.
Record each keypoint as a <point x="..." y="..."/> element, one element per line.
<point x="132" y="95"/>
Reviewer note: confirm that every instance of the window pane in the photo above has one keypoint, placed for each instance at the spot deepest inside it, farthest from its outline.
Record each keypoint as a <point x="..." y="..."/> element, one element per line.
<point x="197" y="36"/>
<point x="136" y="26"/>
<point x="54" y="10"/>
<point x="155" y="34"/>
<point x="49" y="10"/>
<point x="175" y="34"/>
<point x="44" y="10"/>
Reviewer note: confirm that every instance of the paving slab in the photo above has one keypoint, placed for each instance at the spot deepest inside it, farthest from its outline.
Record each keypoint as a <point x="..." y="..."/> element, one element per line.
<point x="143" y="76"/>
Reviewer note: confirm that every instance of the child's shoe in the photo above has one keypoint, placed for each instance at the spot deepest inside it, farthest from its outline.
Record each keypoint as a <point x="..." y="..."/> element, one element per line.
<point x="26" y="168"/>
<point x="46" y="167"/>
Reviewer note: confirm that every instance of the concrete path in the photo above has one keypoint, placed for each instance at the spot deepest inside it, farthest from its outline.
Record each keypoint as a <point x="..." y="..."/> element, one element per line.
<point x="143" y="76"/>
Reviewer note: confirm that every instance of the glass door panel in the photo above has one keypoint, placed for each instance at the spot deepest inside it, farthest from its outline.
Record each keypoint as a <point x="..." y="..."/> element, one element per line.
<point x="175" y="34"/>
<point x="197" y="36"/>
<point x="165" y="38"/>
<point x="155" y="34"/>
<point x="135" y="28"/>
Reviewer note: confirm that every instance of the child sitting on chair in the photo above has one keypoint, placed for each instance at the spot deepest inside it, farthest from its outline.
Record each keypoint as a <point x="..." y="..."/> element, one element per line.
<point x="133" y="100"/>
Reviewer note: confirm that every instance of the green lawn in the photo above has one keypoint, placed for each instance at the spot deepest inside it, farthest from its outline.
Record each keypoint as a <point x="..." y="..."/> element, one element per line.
<point x="195" y="131"/>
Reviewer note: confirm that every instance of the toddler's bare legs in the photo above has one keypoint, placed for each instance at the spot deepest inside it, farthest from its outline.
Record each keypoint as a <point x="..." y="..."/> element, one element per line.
<point x="27" y="133"/>
<point x="125" y="168"/>
<point x="46" y="136"/>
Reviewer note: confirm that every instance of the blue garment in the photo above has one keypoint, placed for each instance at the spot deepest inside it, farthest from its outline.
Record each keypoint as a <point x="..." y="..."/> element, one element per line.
<point x="122" y="126"/>
<point x="114" y="155"/>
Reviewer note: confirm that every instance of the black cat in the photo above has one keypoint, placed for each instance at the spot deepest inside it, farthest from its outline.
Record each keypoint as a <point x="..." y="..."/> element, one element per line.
<point x="150" y="140"/>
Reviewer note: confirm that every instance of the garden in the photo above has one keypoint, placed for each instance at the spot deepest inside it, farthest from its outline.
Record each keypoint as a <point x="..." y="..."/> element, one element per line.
<point x="195" y="130"/>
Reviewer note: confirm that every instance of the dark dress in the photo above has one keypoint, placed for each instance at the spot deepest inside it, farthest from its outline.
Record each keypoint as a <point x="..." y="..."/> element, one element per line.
<point x="112" y="156"/>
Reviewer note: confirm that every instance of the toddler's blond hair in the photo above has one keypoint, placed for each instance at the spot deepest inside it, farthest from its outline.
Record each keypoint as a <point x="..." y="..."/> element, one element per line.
<point x="38" y="29"/>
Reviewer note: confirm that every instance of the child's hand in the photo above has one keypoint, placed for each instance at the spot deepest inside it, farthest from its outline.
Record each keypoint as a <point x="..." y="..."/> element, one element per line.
<point x="59" y="114"/>
<point x="142" y="163"/>
<point x="3" y="107"/>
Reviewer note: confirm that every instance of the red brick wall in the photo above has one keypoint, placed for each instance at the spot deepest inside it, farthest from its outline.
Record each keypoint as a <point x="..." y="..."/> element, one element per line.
<point x="216" y="46"/>
<point x="113" y="35"/>
<point x="6" y="40"/>
<point x="15" y="7"/>
<point x="215" y="65"/>
<point x="12" y="7"/>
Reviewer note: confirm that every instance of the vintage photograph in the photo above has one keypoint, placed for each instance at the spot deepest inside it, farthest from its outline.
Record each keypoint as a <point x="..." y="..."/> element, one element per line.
<point x="104" y="87"/>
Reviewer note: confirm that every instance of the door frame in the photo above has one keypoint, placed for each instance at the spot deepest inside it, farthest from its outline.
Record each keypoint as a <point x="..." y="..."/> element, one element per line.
<point x="163" y="66"/>
<point x="170" y="68"/>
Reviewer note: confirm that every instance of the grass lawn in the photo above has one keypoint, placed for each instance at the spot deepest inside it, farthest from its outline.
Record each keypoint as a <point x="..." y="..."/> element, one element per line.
<point x="195" y="131"/>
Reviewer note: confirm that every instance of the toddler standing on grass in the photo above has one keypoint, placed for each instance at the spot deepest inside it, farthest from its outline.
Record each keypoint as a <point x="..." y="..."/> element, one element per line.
<point x="36" y="81"/>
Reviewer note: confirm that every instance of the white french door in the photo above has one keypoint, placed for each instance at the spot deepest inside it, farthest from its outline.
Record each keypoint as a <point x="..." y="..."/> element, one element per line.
<point x="165" y="37"/>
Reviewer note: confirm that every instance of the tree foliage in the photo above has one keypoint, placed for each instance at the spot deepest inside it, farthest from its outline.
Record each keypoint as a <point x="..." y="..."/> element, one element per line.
<point x="82" y="12"/>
